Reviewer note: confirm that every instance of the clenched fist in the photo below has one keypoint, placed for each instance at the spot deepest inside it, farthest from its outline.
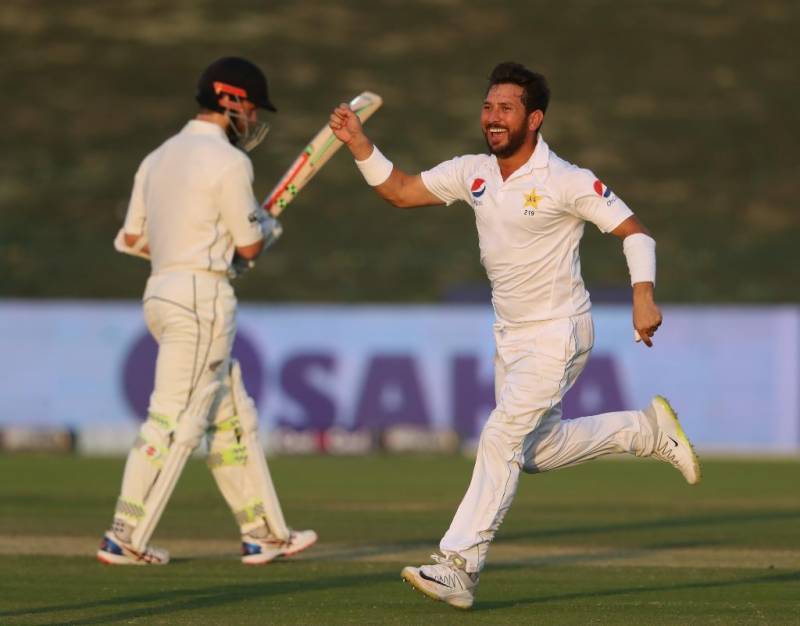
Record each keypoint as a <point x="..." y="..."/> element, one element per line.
<point x="346" y="126"/>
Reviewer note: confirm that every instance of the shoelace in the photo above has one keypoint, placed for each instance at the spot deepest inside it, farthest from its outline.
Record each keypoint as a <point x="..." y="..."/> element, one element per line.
<point x="148" y="555"/>
<point x="442" y="559"/>
<point x="273" y="540"/>
<point x="669" y="450"/>
<point x="454" y="563"/>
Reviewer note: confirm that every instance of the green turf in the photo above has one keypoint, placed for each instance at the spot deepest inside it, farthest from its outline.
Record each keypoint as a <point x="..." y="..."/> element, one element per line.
<point x="686" y="109"/>
<point x="367" y="510"/>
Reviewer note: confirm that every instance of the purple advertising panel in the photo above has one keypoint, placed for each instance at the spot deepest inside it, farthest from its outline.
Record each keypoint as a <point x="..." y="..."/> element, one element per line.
<point x="731" y="372"/>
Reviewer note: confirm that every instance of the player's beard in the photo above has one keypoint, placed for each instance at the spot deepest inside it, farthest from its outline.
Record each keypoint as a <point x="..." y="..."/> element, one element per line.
<point x="516" y="137"/>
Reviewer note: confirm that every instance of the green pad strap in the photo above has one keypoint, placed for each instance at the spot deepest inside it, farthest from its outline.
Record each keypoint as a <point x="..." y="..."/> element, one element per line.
<point x="250" y="513"/>
<point x="131" y="510"/>
<point x="163" y="421"/>
<point x="235" y="455"/>
<point x="230" y="423"/>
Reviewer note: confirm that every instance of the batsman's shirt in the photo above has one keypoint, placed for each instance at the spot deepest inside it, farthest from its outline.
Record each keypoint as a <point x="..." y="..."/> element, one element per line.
<point x="193" y="197"/>
<point x="530" y="227"/>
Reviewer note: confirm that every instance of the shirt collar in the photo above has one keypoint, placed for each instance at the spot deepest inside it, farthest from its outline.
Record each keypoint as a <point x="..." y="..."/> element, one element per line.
<point x="541" y="154"/>
<point x="539" y="159"/>
<point x="201" y="127"/>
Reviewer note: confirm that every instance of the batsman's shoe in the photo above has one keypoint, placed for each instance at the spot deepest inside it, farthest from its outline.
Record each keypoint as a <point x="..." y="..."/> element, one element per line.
<point x="114" y="551"/>
<point x="672" y="444"/>
<point x="260" y="551"/>
<point x="446" y="580"/>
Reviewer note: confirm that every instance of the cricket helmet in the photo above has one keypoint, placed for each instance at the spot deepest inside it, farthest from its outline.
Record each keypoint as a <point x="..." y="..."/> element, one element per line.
<point x="232" y="76"/>
<point x="225" y="86"/>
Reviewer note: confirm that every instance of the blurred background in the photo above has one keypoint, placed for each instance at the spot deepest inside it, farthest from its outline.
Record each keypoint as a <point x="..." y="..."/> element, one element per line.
<point x="368" y="327"/>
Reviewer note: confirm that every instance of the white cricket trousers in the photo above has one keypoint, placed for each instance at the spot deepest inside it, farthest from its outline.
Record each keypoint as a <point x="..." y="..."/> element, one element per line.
<point x="192" y="317"/>
<point x="535" y="365"/>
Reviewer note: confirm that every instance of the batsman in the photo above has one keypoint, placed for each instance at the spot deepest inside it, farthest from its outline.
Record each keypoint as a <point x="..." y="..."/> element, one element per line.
<point x="193" y="214"/>
<point x="530" y="209"/>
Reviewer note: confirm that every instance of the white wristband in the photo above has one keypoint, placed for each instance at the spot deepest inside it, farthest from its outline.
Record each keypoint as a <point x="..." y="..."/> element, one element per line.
<point x="376" y="168"/>
<point x="640" y="253"/>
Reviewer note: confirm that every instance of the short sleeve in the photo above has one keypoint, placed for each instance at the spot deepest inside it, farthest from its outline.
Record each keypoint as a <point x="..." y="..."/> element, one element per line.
<point x="446" y="180"/>
<point x="592" y="200"/>
<point x="238" y="206"/>
<point x="137" y="214"/>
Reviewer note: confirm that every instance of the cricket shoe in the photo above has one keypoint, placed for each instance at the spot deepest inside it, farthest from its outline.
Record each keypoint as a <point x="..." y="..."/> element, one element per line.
<point x="114" y="551"/>
<point x="262" y="550"/>
<point x="447" y="580"/>
<point x="672" y="444"/>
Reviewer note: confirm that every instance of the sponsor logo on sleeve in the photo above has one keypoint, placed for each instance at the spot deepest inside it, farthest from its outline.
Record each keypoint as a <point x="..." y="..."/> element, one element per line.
<point x="604" y="192"/>
<point x="601" y="190"/>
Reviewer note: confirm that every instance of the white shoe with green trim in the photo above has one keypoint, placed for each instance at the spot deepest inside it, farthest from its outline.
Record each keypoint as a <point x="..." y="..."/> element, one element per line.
<point x="672" y="444"/>
<point x="446" y="580"/>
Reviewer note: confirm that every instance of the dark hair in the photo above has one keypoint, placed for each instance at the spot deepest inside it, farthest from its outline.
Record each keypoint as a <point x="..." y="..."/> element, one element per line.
<point x="536" y="92"/>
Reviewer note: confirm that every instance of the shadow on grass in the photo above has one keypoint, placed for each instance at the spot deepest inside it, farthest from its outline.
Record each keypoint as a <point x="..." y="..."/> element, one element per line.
<point x="783" y="577"/>
<point x="723" y="518"/>
<point x="174" y="601"/>
<point x="170" y="602"/>
<point x="715" y="521"/>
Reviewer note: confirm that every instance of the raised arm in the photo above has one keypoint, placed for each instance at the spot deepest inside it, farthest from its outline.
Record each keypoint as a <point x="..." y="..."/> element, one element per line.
<point x="392" y="184"/>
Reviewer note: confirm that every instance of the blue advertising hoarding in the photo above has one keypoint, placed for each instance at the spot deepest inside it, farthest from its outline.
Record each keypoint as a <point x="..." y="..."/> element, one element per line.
<point x="732" y="372"/>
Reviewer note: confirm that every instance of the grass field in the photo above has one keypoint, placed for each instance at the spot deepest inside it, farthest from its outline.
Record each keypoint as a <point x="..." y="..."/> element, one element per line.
<point x="612" y="542"/>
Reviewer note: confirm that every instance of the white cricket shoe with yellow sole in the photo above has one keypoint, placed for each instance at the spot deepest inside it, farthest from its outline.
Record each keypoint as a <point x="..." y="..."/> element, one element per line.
<point x="260" y="551"/>
<point x="114" y="551"/>
<point x="446" y="580"/>
<point x="672" y="444"/>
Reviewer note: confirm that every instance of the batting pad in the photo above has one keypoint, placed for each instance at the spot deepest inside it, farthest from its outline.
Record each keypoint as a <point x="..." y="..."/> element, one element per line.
<point x="188" y="434"/>
<point x="237" y="461"/>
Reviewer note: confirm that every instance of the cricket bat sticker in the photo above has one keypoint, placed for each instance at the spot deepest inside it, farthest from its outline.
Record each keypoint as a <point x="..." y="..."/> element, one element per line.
<point x="321" y="148"/>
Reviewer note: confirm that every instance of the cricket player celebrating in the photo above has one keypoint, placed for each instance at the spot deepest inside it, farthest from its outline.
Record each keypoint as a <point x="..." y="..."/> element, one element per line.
<point x="530" y="209"/>
<point x="193" y="214"/>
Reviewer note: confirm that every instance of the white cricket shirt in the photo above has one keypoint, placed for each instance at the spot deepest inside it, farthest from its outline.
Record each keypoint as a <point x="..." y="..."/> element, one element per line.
<point x="530" y="227"/>
<point x="193" y="197"/>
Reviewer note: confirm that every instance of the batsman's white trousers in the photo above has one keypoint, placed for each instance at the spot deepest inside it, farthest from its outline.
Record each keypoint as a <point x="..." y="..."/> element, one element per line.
<point x="535" y="365"/>
<point x="192" y="317"/>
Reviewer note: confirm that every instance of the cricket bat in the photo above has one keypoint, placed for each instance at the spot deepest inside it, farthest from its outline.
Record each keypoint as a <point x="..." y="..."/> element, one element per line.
<point x="316" y="154"/>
